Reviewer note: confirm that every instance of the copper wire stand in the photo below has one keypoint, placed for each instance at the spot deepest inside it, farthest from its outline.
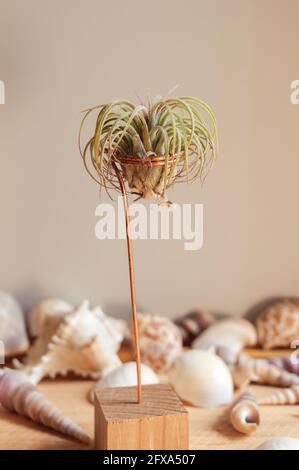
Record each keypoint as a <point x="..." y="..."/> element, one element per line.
<point x="132" y="280"/>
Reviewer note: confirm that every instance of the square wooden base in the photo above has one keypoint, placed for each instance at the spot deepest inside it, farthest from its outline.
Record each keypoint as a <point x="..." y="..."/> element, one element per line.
<point x="160" y="422"/>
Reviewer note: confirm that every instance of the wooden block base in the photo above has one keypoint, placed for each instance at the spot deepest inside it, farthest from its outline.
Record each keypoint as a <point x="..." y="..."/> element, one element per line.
<point x="160" y="422"/>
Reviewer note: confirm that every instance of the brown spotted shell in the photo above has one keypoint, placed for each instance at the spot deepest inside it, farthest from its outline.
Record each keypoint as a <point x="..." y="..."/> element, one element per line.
<point x="278" y="325"/>
<point x="160" y="341"/>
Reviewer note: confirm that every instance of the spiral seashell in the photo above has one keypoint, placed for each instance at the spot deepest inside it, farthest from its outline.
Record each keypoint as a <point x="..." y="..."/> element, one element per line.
<point x="245" y="415"/>
<point x="193" y="324"/>
<point x="290" y="363"/>
<point x="17" y="394"/>
<point x="287" y="396"/>
<point x="262" y="372"/>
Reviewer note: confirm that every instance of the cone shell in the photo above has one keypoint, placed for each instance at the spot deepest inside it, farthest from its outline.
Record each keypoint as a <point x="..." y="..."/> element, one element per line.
<point x="278" y="325"/>
<point x="18" y="395"/>
<point x="245" y="415"/>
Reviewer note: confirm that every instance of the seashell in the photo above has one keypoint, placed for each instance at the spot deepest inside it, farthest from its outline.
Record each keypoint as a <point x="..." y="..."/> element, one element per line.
<point x="285" y="396"/>
<point x="12" y="326"/>
<point x="160" y="341"/>
<point x="262" y="372"/>
<point x="193" y="324"/>
<point x="125" y="376"/>
<point x="290" y="363"/>
<point x="202" y="379"/>
<point x="278" y="325"/>
<point x="280" y="443"/>
<point x="19" y="395"/>
<point x="227" y="336"/>
<point x="245" y="415"/>
<point x="82" y="344"/>
<point x="47" y="314"/>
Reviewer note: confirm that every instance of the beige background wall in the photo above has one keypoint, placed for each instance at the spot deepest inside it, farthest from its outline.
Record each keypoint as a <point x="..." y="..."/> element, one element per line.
<point x="58" y="57"/>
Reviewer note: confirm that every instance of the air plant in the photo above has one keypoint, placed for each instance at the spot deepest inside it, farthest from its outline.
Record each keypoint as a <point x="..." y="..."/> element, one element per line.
<point x="154" y="145"/>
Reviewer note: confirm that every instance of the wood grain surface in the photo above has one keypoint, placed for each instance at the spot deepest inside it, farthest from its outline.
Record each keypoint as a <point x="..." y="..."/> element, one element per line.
<point x="159" y="422"/>
<point x="209" y="428"/>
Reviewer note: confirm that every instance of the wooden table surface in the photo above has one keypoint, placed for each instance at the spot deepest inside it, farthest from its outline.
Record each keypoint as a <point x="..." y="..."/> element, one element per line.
<point x="209" y="428"/>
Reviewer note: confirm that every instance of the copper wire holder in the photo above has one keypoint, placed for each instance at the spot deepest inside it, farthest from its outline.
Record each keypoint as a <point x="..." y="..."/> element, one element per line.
<point x="134" y="161"/>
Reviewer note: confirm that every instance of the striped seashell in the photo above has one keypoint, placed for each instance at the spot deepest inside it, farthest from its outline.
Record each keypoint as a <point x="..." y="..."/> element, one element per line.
<point x="17" y="394"/>
<point x="286" y="396"/>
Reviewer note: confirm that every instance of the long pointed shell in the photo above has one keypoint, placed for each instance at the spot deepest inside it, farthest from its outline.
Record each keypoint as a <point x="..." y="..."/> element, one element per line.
<point x="19" y="395"/>
<point x="245" y="415"/>
<point x="260" y="371"/>
<point x="287" y="396"/>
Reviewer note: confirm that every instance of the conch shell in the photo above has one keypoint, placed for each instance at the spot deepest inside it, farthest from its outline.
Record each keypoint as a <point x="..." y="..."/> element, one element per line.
<point x="280" y="443"/>
<point x="125" y="376"/>
<point x="278" y="325"/>
<point x="289" y="363"/>
<point x="13" y="333"/>
<point x="193" y="324"/>
<point x="84" y="343"/>
<point x="262" y="372"/>
<point x="19" y="395"/>
<point x="227" y="338"/>
<point x="245" y="415"/>
<point x="286" y="396"/>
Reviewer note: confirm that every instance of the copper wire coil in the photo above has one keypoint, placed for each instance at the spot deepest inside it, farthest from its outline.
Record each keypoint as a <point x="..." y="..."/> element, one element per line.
<point x="147" y="161"/>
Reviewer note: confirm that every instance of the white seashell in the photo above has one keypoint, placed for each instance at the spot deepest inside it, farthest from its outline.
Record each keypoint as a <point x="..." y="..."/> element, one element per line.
<point x="202" y="379"/>
<point x="47" y="314"/>
<point x="12" y="326"/>
<point x="227" y="336"/>
<point x="126" y="376"/>
<point x="245" y="415"/>
<point x="160" y="341"/>
<point x="280" y="443"/>
<point x="19" y="395"/>
<point x="82" y="344"/>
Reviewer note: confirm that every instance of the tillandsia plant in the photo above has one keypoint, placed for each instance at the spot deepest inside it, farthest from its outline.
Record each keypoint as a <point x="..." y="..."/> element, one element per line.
<point x="155" y="145"/>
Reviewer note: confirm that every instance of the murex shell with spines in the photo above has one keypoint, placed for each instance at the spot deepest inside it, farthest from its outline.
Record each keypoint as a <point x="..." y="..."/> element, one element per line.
<point x="82" y="344"/>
